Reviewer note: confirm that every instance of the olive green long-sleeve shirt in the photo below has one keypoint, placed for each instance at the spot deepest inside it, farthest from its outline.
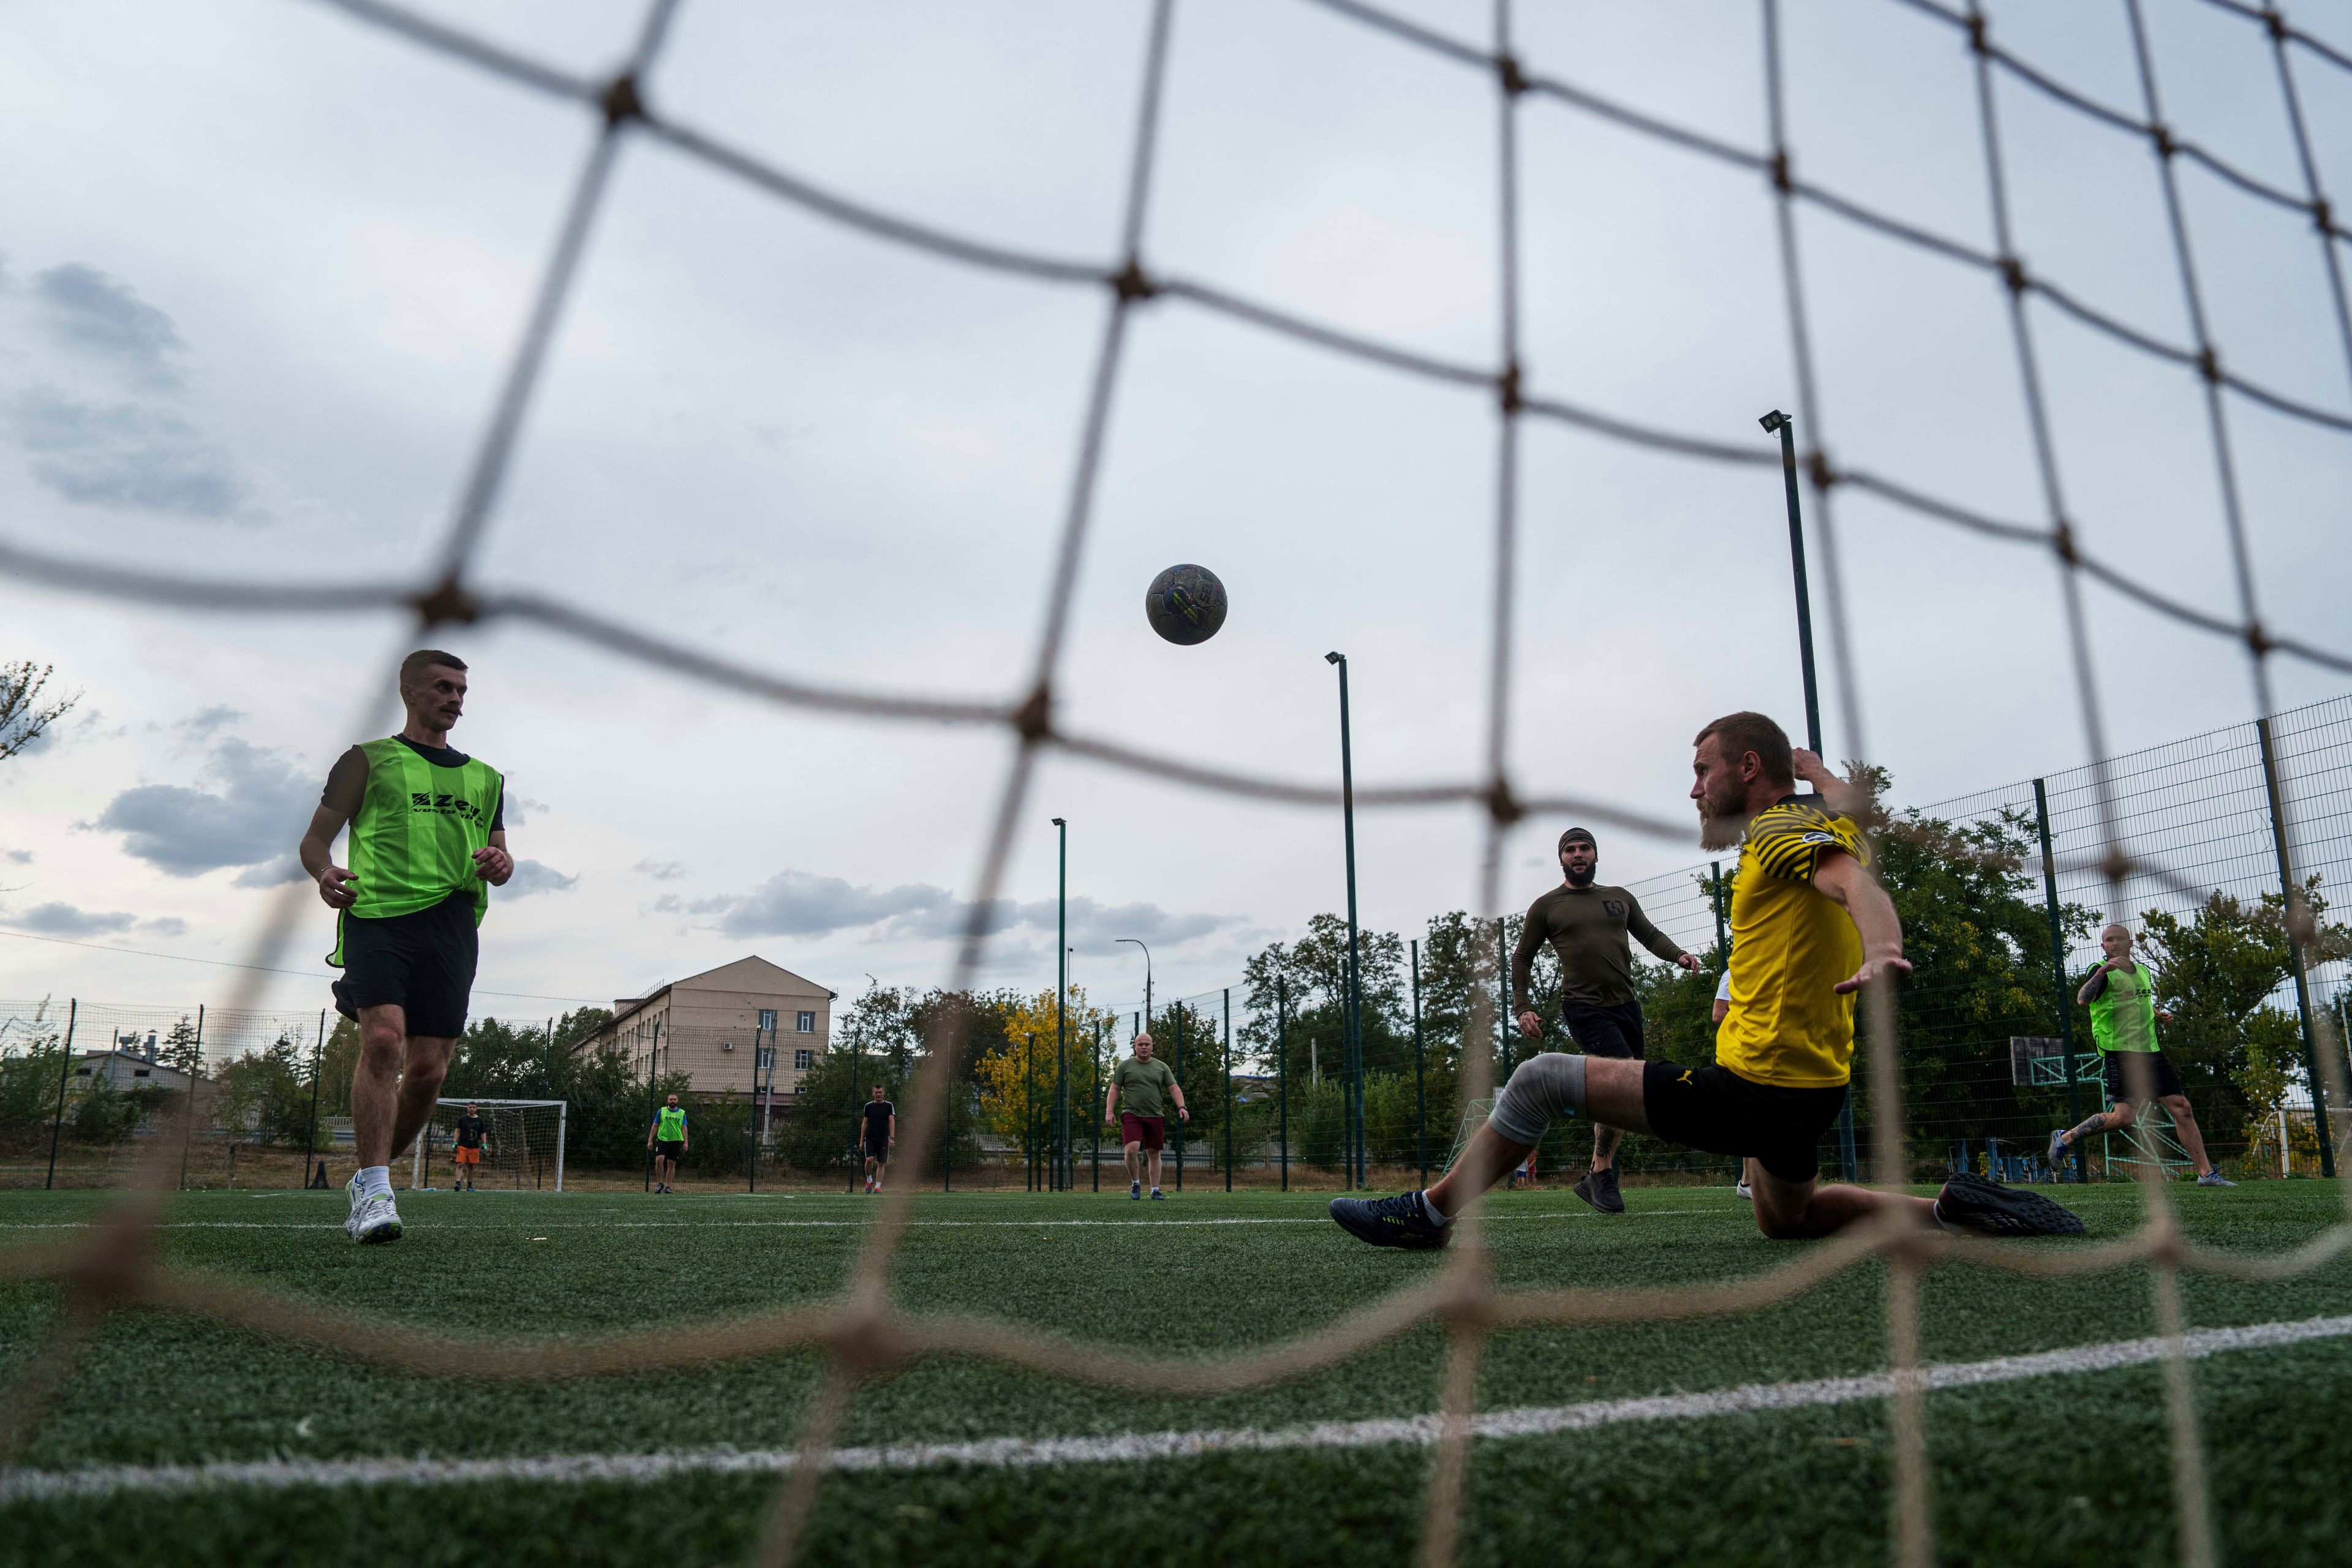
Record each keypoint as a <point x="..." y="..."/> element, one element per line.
<point x="1587" y="927"/>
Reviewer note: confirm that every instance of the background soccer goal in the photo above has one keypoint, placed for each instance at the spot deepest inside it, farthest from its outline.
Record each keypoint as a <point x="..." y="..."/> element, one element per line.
<point x="522" y="1144"/>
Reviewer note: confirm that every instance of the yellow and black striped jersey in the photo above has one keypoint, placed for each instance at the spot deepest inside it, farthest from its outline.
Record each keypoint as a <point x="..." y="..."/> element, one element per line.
<point x="1790" y="945"/>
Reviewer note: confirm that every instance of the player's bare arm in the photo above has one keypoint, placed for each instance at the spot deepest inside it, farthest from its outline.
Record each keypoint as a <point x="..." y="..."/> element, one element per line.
<point x="1841" y="796"/>
<point x="337" y="888"/>
<point x="1842" y="879"/>
<point x="492" y="863"/>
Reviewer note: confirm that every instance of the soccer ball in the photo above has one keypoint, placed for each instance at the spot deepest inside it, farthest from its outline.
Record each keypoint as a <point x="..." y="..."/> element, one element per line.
<point x="1186" y="604"/>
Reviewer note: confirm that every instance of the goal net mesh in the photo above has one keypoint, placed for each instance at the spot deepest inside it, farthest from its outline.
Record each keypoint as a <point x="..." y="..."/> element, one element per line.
<point x="861" y="1335"/>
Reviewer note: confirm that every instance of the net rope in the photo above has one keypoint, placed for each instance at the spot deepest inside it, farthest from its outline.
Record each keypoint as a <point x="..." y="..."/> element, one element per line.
<point x="859" y="1334"/>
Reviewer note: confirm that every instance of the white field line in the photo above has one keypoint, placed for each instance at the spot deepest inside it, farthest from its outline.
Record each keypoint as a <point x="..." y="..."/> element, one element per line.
<point x="1026" y="1452"/>
<point x="808" y="1224"/>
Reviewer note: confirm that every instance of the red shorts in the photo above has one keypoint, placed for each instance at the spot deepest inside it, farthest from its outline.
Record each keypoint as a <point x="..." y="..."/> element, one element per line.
<point x="1148" y="1130"/>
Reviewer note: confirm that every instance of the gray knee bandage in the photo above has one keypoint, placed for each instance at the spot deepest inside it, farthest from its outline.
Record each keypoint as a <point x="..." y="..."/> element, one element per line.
<point x="1543" y="1090"/>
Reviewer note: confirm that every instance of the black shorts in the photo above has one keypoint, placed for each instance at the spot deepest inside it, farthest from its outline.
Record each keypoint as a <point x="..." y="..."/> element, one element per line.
<point x="1611" y="1029"/>
<point x="670" y="1149"/>
<point x="1714" y="1108"/>
<point x="877" y="1148"/>
<point x="2162" y="1079"/>
<point x="423" y="961"/>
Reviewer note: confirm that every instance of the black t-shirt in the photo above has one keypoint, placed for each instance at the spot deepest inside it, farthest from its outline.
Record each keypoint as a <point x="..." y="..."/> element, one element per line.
<point x="877" y="1120"/>
<point x="469" y="1131"/>
<point x="347" y="780"/>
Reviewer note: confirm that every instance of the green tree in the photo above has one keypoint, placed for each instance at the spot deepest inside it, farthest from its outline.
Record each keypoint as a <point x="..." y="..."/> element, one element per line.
<point x="23" y="715"/>
<point x="267" y="1093"/>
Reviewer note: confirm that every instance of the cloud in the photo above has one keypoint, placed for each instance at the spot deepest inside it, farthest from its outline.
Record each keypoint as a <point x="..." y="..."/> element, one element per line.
<point x="218" y="716"/>
<point x="88" y="311"/>
<point x="532" y="876"/>
<point x="660" y="870"/>
<point x="123" y="454"/>
<point x="797" y="903"/>
<point x="251" y="818"/>
<point x="21" y="856"/>
<point x="517" y="809"/>
<point x="64" y="920"/>
<point x="271" y="873"/>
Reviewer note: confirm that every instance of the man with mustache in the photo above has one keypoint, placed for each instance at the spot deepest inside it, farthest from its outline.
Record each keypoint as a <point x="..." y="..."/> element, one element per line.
<point x="1587" y="923"/>
<point x="1810" y="930"/>
<point x="429" y="843"/>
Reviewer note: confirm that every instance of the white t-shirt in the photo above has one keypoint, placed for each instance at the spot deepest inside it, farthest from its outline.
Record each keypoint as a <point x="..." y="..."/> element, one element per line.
<point x="1723" y="987"/>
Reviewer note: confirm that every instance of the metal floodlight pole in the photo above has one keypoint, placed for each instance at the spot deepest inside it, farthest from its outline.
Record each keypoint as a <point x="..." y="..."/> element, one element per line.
<point x="1229" y="1088"/>
<point x="1146" y="981"/>
<point x="1420" y="1097"/>
<point x="2058" y="988"/>
<point x="1722" y="940"/>
<point x="1095" y="1058"/>
<point x="1355" y="1153"/>
<point x="1176" y="1069"/>
<point x="1061" y="992"/>
<point x="1778" y="423"/>
<point x="2290" y="896"/>
<point x="188" y="1116"/>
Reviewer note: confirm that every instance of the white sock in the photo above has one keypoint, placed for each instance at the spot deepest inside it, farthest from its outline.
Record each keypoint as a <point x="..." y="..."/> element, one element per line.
<point x="376" y="1181"/>
<point x="1430" y="1209"/>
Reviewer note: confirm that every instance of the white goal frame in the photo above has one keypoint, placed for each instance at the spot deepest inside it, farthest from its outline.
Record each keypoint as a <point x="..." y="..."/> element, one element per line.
<point x="416" y="1163"/>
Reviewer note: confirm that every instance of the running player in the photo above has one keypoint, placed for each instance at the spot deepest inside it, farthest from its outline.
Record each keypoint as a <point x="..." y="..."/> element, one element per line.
<point x="466" y="1153"/>
<point x="666" y="1139"/>
<point x="1810" y="928"/>
<point x="429" y="843"/>
<point x="1586" y="923"/>
<point x="2121" y="995"/>
<point x="1143" y="1124"/>
<point x="880" y="1134"/>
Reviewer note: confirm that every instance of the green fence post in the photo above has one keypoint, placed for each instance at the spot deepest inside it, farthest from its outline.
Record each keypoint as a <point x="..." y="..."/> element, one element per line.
<point x="1177" y="1067"/>
<point x="2290" y="893"/>
<point x="1229" y="1088"/>
<point x="65" y="1076"/>
<point x="1282" y="1069"/>
<point x="1093" y="1115"/>
<point x="1420" y="1099"/>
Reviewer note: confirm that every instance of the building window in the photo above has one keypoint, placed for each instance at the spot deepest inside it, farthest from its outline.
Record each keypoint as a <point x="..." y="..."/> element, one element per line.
<point x="804" y="1023"/>
<point x="803" y="1060"/>
<point x="768" y="1019"/>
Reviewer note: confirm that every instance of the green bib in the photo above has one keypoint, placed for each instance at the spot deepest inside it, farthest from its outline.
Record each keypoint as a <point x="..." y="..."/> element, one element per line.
<point x="2123" y="1016"/>
<point x="413" y="839"/>
<point x="669" y="1125"/>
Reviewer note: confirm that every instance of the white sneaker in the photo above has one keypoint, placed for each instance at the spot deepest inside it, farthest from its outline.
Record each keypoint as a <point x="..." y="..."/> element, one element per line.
<point x="1745" y="1191"/>
<point x="372" y="1220"/>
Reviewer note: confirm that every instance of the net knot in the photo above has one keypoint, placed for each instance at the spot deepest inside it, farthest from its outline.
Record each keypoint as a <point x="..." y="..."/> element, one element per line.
<point x="110" y="1268"/>
<point x="2323" y="214"/>
<point x="1506" y="388"/>
<point x="1034" y="720"/>
<point x="2259" y="640"/>
<point x="867" y="1344"/>
<point x="2208" y="364"/>
<point x="1130" y="284"/>
<point x="1977" y="30"/>
<point x="2274" y="21"/>
<point x="2012" y="272"/>
<point x="2061" y="540"/>
<point x="1501" y="803"/>
<point x="1779" y="168"/>
<point x="619" y="100"/>
<point x="2116" y="863"/>
<point x="1819" y="470"/>
<point x="448" y="600"/>
<point x="1507" y="72"/>
<point x="2161" y="134"/>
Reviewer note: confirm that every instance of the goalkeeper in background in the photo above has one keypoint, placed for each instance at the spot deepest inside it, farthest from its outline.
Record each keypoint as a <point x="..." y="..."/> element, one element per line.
<point x="666" y="1140"/>
<point x="468" y="1151"/>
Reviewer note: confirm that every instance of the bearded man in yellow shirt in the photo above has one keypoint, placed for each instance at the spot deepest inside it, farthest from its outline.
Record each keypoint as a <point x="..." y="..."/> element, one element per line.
<point x="1810" y="929"/>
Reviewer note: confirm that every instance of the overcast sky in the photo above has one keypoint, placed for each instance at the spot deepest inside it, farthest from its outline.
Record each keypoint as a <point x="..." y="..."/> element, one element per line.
<point x="262" y="266"/>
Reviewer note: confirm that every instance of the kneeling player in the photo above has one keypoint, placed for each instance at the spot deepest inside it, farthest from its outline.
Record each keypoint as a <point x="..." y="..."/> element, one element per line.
<point x="1810" y="929"/>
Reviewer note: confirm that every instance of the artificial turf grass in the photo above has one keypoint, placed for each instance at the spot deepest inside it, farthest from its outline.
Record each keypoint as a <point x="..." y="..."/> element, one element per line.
<point x="2063" y="1471"/>
<point x="155" y="1389"/>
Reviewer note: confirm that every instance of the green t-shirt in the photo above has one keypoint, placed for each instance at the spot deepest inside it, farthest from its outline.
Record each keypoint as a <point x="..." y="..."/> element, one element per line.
<point x="669" y="1124"/>
<point x="1140" y="1084"/>
<point x="2123" y="1016"/>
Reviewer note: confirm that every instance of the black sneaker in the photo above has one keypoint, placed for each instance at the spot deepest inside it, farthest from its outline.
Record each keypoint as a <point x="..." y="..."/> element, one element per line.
<point x="1599" y="1188"/>
<point x="1398" y="1221"/>
<point x="1972" y="1203"/>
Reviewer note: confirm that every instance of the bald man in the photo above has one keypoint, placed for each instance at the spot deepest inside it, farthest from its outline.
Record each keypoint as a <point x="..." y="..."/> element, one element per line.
<point x="2121" y="995"/>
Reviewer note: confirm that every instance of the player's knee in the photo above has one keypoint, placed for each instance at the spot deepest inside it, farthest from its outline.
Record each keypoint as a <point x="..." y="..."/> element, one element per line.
<point x="1543" y="1088"/>
<point x="381" y="1046"/>
<point x="2181" y="1109"/>
<point x="426" y="1073"/>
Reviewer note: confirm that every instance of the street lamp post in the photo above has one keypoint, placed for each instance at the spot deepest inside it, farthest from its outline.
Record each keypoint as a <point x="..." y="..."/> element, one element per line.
<point x="1146" y="981"/>
<point x="1355" y="1159"/>
<point x="1778" y="423"/>
<point x="1061" y="989"/>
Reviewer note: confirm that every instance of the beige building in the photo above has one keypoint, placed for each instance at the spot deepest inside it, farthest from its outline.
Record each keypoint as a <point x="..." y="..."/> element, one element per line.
<point x="712" y="1025"/>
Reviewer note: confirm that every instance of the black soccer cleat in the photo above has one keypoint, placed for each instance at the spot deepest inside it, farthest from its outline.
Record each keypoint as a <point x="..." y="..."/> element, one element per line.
<point x="1969" y="1203"/>
<point x="1398" y="1221"/>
